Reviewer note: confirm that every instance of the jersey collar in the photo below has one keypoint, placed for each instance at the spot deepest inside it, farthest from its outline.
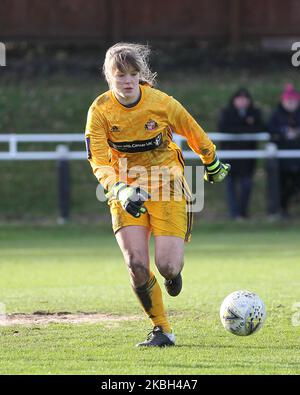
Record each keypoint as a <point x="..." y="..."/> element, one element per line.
<point x="115" y="100"/>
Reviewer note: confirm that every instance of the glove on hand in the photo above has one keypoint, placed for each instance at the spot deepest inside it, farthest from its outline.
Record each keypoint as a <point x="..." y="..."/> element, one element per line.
<point x="216" y="171"/>
<point x="131" y="198"/>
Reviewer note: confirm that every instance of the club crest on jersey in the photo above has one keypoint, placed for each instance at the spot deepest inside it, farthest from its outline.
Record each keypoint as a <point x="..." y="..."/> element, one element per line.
<point x="151" y="125"/>
<point x="115" y="129"/>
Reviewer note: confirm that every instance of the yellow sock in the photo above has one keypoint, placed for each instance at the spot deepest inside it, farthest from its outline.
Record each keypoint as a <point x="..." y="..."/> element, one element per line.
<point x="150" y="297"/>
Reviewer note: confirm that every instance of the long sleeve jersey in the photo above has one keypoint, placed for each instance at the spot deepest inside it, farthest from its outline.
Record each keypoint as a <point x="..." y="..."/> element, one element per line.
<point x="141" y="135"/>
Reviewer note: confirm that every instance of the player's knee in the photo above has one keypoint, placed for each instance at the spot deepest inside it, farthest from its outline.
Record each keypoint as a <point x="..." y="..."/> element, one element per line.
<point x="169" y="270"/>
<point x="137" y="268"/>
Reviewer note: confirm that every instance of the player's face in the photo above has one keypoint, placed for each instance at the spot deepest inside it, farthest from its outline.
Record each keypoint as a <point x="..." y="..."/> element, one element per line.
<point x="125" y="85"/>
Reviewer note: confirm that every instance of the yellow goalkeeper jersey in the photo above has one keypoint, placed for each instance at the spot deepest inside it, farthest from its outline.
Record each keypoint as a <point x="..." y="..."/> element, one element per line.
<point x="135" y="140"/>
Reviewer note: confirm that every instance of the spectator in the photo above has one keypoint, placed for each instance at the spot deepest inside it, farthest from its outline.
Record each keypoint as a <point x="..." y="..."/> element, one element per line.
<point x="240" y="116"/>
<point x="284" y="126"/>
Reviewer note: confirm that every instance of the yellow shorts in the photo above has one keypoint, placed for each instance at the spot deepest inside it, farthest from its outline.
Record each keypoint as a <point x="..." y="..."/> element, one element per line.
<point x="164" y="218"/>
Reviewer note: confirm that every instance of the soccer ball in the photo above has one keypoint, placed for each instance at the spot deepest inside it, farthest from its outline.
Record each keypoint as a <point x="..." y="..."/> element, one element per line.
<point x="242" y="313"/>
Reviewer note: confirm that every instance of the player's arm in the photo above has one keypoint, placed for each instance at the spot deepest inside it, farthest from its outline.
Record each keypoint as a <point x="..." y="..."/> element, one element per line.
<point x="98" y="149"/>
<point x="185" y="125"/>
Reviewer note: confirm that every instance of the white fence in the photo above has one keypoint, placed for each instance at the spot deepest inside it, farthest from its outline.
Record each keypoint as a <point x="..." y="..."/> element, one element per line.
<point x="63" y="152"/>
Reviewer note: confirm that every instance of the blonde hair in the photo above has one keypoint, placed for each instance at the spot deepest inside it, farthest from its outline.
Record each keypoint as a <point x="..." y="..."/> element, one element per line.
<point x="123" y="55"/>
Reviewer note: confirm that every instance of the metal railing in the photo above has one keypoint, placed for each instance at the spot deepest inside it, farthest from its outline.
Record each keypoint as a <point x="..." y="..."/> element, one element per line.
<point x="14" y="153"/>
<point x="63" y="151"/>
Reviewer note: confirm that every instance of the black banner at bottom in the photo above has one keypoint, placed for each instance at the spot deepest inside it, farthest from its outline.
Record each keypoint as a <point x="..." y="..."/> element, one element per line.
<point x="128" y="384"/>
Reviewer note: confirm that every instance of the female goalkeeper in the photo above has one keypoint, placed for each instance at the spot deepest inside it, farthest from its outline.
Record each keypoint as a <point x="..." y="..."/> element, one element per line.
<point x="130" y="148"/>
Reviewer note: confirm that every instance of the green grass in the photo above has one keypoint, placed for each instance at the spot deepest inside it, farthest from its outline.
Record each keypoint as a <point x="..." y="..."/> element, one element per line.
<point x="79" y="268"/>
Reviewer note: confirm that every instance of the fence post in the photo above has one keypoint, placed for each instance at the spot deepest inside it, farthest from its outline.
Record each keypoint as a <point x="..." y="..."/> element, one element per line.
<point x="272" y="184"/>
<point x="63" y="184"/>
<point x="13" y="145"/>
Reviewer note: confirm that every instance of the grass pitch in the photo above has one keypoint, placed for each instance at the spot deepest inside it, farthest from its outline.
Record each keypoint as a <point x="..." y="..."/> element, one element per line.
<point x="79" y="269"/>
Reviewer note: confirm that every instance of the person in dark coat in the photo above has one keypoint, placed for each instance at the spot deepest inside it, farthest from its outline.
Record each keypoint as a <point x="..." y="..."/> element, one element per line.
<point x="284" y="127"/>
<point x="240" y="116"/>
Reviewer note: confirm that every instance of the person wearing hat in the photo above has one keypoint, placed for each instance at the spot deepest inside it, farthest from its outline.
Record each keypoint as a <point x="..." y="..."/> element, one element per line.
<point x="284" y="127"/>
<point x="240" y="116"/>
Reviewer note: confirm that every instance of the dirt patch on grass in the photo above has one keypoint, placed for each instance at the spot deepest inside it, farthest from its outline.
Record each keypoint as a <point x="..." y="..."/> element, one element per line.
<point x="45" y="318"/>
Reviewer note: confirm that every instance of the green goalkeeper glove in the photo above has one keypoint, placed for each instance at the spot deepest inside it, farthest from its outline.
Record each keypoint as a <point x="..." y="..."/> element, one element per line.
<point x="131" y="198"/>
<point x="216" y="171"/>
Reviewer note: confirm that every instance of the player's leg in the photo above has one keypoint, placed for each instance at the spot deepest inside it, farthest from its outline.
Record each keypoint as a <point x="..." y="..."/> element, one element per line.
<point x="134" y="244"/>
<point x="171" y="223"/>
<point x="169" y="260"/>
